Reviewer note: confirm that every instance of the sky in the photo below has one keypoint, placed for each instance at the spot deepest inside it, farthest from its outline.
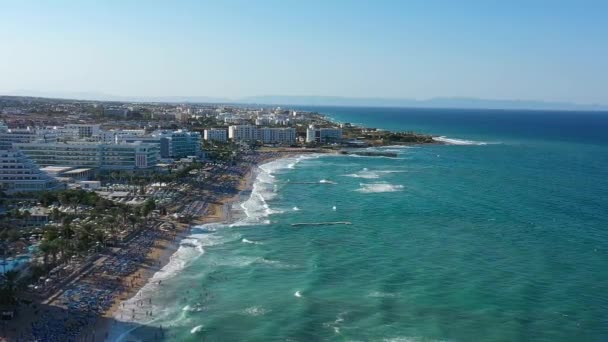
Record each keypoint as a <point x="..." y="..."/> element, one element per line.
<point x="525" y="50"/>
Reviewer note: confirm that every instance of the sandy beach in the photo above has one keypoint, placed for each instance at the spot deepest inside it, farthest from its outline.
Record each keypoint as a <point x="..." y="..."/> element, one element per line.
<point x="158" y="243"/>
<point x="160" y="254"/>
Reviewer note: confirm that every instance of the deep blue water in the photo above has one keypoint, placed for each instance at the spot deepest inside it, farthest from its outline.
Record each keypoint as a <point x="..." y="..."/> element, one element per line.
<point x="503" y="237"/>
<point x="505" y="125"/>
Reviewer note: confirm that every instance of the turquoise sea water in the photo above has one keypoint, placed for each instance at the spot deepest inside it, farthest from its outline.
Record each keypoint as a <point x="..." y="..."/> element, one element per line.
<point x="500" y="236"/>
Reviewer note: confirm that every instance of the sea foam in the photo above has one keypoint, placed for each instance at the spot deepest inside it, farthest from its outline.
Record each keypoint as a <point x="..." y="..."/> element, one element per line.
<point x="196" y="329"/>
<point x="264" y="188"/>
<point x="379" y="187"/>
<point x="454" y="141"/>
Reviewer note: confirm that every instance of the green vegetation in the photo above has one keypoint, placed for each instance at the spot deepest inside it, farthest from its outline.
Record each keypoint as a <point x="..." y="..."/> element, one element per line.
<point x="87" y="222"/>
<point x="8" y="288"/>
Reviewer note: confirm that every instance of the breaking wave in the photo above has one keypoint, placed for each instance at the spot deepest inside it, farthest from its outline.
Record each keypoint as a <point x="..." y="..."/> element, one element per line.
<point x="453" y="141"/>
<point x="379" y="187"/>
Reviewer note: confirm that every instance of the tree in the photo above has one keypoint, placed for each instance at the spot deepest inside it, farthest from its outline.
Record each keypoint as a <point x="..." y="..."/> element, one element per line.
<point x="26" y="215"/>
<point x="133" y="220"/>
<point x="9" y="287"/>
<point x="46" y="248"/>
<point x="148" y="206"/>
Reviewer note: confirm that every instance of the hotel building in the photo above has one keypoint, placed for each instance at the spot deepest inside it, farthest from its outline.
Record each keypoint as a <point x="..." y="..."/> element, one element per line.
<point x="19" y="173"/>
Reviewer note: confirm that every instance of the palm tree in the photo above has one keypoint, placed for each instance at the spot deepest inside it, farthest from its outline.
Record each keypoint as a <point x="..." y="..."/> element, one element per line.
<point x="133" y="220"/>
<point x="46" y="248"/>
<point x="55" y="214"/>
<point x="9" y="287"/>
<point x="25" y="216"/>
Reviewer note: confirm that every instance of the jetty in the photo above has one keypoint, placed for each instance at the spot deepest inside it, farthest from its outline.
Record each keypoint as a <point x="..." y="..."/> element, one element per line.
<point x="321" y="223"/>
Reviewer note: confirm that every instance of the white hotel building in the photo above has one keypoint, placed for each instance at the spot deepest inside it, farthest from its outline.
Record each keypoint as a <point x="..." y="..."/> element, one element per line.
<point x="323" y="135"/>
<point x="267" y="135"/>
<point x="19" y="173"/>
<point x="125" y="156"/>
<point x="216" y="134"/>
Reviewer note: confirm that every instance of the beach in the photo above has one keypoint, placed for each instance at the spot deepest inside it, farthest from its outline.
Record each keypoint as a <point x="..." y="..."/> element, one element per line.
<point x="161" y="253"/>
<point x="86" y="309"/>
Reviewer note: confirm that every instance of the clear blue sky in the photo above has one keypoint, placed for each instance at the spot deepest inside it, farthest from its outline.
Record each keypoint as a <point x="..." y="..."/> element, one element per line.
<point x="531" y="50"/>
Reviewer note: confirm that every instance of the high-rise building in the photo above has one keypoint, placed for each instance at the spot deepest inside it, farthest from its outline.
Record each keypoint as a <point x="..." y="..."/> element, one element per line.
<point x="267" y="135"/>
<point x="216" y="134"/>
<point x="323" y="135"/>
<point x="122" y="156"/>
<point x="243" y="133"/>
<point x="277" y="135"/>
<point x="19" y="173"/>
<point x="84" y="130"/>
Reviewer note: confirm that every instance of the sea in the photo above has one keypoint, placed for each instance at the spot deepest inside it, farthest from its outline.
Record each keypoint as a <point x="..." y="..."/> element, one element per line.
<point x="499" y="234"/>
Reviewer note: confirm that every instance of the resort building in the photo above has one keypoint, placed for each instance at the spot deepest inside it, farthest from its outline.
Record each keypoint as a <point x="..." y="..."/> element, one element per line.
<point x="19" y="173"/>
<point x="115" y="136"/>
<point x="243" y="133"/>
<point x="267" y="135"/>
<point x="123" y="156"/>
<point x="171" y="144"/>
<point x="216" y="134"/>
<point x="179" y="144"/>
<point x="277" y="135"/>
<point x="323" y="135"/>
<point x="84" y="131"/>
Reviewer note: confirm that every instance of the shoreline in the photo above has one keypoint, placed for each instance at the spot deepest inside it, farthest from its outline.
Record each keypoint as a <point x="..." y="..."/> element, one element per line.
<point x="163" y="251"/>
<point x="152" y="248"/>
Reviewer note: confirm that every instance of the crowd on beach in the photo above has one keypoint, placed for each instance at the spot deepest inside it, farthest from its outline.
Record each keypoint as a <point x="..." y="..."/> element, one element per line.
<point x="84" y="300"/>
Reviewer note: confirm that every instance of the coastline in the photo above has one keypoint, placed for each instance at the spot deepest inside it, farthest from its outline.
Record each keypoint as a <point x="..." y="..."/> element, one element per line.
<point x="160" y="255"/>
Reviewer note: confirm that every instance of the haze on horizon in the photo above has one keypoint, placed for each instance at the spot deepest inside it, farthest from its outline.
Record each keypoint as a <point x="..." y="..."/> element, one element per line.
<point x="533" y="51"/>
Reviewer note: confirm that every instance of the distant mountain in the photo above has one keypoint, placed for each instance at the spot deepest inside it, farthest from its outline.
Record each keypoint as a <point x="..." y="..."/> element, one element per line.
<point x="438" y="102"/>
<point x="92" y="96"/>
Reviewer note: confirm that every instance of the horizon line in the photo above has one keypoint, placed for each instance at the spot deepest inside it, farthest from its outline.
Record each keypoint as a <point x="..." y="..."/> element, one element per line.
<point x="291" y="100"/>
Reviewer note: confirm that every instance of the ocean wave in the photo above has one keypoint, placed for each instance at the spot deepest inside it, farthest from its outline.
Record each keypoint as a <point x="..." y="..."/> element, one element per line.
<point x="352" y="155"/>
<point x="454" y="141"/>
<point x="256" y="208"/>
<point x="378" y="294"/>
<point x="368" y="174"/>
<point x="191" y="248"/>
<point x="255" y="311"/>
<point x="391" y="171"/>
<point x="390" y="148"/>
<point x="274" y="263"/>
<point x="379" y="187"/>
<point x="196" y="329"/>
<point x="251" y="242"/>
<point x="298" y="294"/>
<point x="196" y="308"/>
<point x="365" y="174"/>
<point x="335" y="325"/>
<point x="240" y="261"/>
<point x="326" y="181"/>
